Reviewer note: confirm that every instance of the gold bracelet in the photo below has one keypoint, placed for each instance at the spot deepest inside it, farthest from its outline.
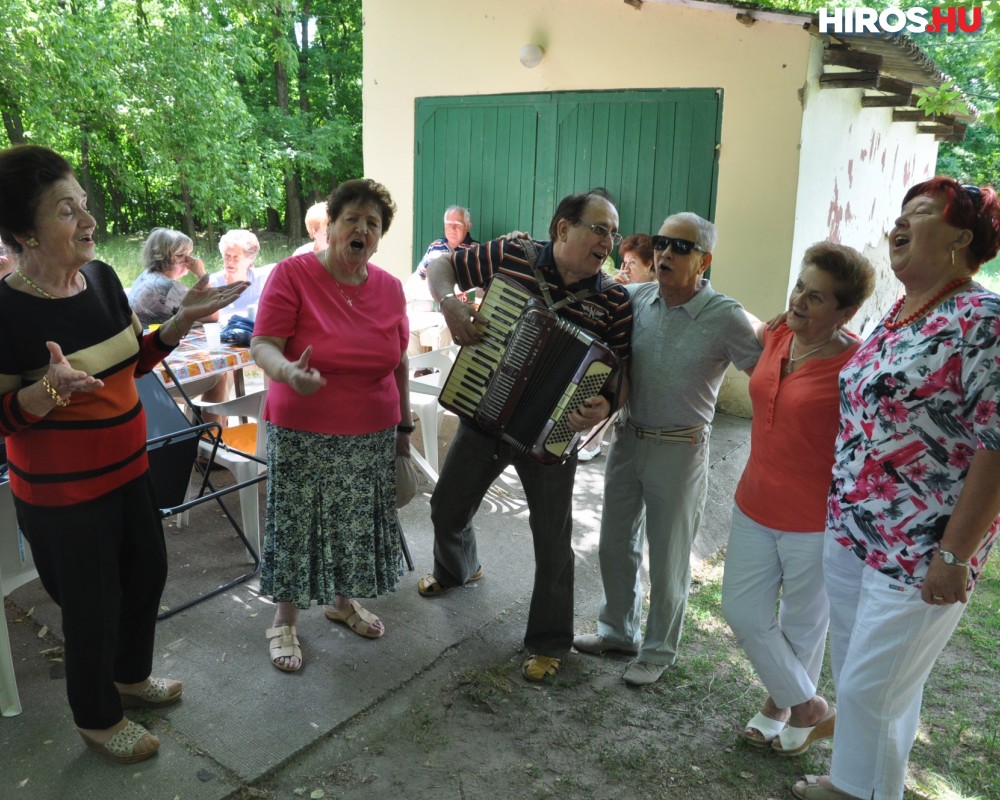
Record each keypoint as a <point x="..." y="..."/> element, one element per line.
<point x="62" y="403"/>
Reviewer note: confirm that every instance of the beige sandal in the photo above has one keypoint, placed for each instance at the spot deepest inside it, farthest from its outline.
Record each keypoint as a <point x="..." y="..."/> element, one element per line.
<point x="358" y="619"/>
<point x="284" y="644"/>
<point x="158" y="693"/>
<point x="131" y="744"/>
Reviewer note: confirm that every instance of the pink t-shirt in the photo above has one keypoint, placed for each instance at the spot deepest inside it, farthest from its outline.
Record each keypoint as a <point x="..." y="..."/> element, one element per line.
<point x="356" y="346"/>
<point x="795" y="418"/>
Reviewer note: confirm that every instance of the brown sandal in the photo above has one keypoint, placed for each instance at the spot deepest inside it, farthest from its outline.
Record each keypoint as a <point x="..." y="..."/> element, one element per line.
<point x="429" y="586"/>
<point x="284" y="644"/>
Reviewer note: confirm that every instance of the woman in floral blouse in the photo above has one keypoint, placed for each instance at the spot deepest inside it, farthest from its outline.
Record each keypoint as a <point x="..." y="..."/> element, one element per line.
<point x="915" y="499"/>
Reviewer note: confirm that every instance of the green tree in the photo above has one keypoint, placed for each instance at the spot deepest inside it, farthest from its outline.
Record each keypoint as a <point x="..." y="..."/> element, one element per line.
<point x="183" y="113"/>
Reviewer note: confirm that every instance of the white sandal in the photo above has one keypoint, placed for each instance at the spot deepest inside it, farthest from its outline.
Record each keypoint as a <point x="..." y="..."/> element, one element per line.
<point x="767" y="727"/>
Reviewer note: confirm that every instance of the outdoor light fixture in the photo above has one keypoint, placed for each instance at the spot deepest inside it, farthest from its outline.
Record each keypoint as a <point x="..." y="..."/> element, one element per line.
<point x="531" y="55"/>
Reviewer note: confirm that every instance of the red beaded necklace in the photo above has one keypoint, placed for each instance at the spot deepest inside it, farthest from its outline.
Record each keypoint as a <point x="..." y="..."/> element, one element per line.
<point x="893" y="324"/>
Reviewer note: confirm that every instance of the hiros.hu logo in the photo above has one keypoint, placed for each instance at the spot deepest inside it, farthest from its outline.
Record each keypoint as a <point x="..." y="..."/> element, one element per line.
<point x="952" y="19"/>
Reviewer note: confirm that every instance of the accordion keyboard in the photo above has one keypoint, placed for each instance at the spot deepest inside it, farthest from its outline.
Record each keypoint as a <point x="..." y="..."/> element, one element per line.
<point x="474" y="367"/>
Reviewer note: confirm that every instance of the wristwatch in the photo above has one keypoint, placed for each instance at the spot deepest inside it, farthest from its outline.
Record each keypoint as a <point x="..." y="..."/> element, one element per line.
<point x="951" y="561"/>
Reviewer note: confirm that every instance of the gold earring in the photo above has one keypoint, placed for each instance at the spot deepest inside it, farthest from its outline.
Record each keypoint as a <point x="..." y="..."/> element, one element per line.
<point x="31" y="241"/>
<point x="953" y="258"/>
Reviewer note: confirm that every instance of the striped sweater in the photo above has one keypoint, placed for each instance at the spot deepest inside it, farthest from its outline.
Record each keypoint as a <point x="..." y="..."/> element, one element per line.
<point x="97" y="443"/>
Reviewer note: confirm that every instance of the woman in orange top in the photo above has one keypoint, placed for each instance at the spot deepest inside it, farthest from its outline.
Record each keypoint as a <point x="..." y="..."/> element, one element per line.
<point x="776" y="543"/>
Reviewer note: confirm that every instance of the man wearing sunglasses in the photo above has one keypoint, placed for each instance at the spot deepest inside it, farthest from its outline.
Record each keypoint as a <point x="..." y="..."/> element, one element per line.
<point x="684" y="337"/>
<point x="565" y="275"/>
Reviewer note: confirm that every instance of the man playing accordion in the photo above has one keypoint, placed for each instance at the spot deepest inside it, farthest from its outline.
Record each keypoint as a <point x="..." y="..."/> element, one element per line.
<point x="565" y="275"/>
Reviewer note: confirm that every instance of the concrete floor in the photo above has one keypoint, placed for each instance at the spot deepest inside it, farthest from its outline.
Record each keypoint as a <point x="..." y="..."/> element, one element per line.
<point x="242" y="720"/>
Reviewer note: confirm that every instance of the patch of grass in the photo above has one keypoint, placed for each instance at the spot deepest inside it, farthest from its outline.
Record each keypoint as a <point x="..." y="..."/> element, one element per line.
<point x="980" y="626"/>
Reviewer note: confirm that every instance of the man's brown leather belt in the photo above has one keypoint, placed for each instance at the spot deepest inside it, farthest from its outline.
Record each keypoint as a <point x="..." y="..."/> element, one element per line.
<point x="675" y="435"/>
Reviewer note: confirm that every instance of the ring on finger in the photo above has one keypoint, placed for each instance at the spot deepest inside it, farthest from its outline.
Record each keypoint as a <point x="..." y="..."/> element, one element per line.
<point x="937" y="597"/>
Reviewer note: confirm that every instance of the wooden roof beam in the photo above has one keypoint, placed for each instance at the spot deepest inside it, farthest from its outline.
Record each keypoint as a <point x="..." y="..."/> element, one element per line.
<point x="845" y="57"/>
<point x="887" y="101"/>
<point x="936" y="128"/>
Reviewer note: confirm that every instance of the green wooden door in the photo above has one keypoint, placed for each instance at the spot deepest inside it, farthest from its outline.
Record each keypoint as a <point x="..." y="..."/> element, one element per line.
<point x="511" y="158"/>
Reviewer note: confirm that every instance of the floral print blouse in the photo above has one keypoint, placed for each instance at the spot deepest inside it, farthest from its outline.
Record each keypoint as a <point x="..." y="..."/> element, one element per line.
<point x="916" y="404"/>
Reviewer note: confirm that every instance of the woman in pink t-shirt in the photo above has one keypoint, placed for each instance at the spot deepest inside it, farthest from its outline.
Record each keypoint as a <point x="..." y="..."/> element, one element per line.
<point x="331" y="334"/>
<point x="776" y="543"/>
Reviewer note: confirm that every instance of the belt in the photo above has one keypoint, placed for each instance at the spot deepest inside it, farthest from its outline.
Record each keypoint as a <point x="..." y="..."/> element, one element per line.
<point x="675" y="435"/>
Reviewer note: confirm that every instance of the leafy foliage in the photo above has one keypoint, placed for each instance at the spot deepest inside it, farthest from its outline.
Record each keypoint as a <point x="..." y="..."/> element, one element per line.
<point x="186" y="114"/>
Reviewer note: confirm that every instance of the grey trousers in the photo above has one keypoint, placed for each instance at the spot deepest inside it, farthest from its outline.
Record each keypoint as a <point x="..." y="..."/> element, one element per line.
<point x="472" y="464"/>
<point x="664" y="485"/>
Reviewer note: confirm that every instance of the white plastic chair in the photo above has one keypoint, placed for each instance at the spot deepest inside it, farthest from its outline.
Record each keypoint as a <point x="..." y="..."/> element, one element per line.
<point x="249" y="438"/>
<point x="16" y="569"/>
<point x="424" y="393"/>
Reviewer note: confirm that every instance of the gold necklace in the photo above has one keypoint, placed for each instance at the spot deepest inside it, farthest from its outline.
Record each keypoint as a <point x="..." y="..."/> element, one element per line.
<point x="350" y="300"/>
<point x="39" y="289"/>
<point x="792" y="358"/>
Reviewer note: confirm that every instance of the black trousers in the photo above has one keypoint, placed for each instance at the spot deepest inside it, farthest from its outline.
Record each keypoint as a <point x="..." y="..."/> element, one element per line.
<point x="104" y="562"/>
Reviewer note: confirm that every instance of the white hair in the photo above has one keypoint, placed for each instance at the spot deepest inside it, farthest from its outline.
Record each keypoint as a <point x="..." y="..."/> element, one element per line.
<point x="466" y="217"/>
<point x="707" y="234"/>
<point x="243" y="239"/>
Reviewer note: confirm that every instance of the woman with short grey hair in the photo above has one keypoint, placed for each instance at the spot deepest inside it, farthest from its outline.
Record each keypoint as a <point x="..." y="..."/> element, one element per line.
<point x="157" y="292"/>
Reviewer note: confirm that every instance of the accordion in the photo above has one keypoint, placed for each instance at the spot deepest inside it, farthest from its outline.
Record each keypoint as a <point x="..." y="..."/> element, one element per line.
<point x="531" y="369"/>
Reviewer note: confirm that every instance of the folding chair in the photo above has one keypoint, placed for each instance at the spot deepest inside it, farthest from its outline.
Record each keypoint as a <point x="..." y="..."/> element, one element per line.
<point x="424" y="392"/>
<point x="242" y="451"/>
<point x="16" y="569"/>
<point x="172" y="446"/>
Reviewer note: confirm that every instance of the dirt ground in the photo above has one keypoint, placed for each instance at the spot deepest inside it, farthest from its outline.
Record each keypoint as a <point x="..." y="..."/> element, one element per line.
<point x="471" y="727"/>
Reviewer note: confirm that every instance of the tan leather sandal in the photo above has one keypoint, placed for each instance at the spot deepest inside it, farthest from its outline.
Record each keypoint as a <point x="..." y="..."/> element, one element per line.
<point x="358" y="619"/>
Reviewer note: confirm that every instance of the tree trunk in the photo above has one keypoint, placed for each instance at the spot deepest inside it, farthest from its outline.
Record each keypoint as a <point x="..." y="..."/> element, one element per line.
<point x="293" y="200"/>
<point x="188" y="216"/>
<point x="273" y="219"/>
<point x="11" y="117"/>
<point x="95" y="196"/>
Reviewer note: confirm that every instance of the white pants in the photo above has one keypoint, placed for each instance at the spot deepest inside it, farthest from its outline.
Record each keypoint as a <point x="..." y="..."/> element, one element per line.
<point x="884" y="639"/>
<point x="657" y="488"/>
<point x="763" y="564"/>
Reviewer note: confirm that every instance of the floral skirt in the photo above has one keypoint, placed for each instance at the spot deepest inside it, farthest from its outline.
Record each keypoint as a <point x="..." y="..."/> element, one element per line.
<point x="331" y="525"/>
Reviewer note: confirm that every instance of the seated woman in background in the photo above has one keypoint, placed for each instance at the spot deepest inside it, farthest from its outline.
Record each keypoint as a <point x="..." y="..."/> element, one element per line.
<point x="157" y="293"/>
<point x="637" y="259"/>
<point x="239" y="249"/>
<point x="316" y="225"/>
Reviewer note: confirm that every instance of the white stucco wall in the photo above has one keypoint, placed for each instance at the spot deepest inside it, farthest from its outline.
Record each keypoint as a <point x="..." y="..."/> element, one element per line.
<point x="852" y="180"/>
<point x="456" y="47"/>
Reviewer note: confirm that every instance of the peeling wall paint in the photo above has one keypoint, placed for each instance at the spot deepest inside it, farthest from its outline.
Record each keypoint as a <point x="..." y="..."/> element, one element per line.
<point x="852" y="180"/>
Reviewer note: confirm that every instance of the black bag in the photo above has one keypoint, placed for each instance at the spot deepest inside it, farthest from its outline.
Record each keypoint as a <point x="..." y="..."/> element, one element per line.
<point x="237" y="331"/>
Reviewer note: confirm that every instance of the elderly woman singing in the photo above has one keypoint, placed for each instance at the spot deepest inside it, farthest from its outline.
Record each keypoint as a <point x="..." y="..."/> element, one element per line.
<point x="914" y="504"/>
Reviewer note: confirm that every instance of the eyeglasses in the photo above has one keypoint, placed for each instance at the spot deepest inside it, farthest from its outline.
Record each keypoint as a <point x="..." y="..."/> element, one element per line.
<point x="680" y="246"/>
<point x="601" y="232"/>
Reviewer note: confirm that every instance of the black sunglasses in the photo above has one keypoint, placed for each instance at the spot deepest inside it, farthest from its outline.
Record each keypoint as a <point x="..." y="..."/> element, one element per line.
<point x="974" y="193"/>
<point x="680" y="246"/>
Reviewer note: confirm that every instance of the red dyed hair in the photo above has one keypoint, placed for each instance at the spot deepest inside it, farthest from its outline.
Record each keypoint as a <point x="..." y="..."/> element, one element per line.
<point x="977" y="211"/>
